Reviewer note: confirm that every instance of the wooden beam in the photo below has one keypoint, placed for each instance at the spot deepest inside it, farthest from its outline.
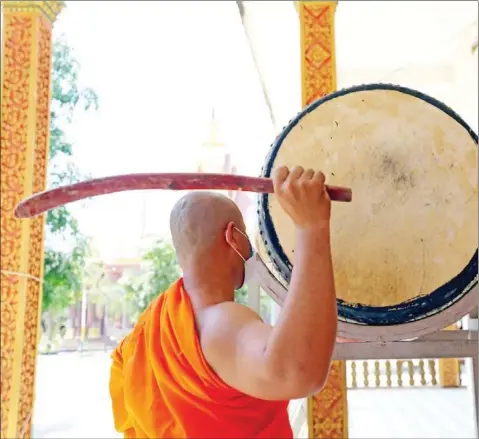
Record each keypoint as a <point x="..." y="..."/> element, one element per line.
<point x="254" y="54"/>
<point x="462" y="344"/>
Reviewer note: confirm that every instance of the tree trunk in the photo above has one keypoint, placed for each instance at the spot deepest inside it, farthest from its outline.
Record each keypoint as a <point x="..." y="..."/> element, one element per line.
<point x="77" y="319"/>
<point x="90" y="315"/>
<point x="72" y="320"/>
<point x="103" y="322"/>
<point x="50" y="324"/>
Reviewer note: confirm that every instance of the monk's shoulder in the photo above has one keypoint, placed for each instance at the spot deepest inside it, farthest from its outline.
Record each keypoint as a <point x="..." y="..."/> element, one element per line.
<point x="219" y="318"/>
<point x="233" y="310"/>
<point x="221" y="327"/>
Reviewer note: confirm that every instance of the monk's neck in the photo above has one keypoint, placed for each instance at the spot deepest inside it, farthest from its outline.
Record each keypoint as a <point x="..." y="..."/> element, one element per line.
<point x="207" y="292"/>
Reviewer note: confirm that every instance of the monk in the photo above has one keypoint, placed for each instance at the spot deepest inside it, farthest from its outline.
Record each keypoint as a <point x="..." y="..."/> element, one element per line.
<point x="199" y="365"/>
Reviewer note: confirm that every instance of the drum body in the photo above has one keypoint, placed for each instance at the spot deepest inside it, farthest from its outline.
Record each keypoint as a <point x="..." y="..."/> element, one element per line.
<point x="405" y="249"/>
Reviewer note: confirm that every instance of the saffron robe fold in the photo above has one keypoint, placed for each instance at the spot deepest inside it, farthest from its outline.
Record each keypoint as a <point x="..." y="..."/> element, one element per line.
<point x="162" y="387"/>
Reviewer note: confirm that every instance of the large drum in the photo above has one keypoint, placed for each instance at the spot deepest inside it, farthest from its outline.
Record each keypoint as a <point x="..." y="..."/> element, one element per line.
<point x="405" y="249"/>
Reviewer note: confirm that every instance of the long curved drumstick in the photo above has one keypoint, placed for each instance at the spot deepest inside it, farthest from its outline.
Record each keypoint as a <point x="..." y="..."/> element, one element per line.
<point x="51" y="199"/>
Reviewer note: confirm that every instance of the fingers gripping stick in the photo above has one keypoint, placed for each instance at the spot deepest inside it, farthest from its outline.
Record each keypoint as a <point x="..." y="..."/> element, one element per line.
<point x="303" y="196"/>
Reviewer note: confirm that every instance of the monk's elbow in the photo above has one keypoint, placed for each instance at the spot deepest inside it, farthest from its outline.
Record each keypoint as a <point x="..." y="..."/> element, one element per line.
<point x="310" y="382"/>
<point x="303" y="381"/>
<point x="301" y="376"/>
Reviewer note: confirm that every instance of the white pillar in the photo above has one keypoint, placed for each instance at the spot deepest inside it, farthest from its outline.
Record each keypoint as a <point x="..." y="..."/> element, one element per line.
<point x="275" y="310"/>
<point x="254" y="295"/>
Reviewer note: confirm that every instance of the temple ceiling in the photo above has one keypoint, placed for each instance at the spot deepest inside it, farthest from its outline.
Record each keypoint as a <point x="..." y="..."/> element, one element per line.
<point x="417" y="44"/>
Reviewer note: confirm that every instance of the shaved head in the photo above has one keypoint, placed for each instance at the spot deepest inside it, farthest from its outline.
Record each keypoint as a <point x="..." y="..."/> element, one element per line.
<point x="197" y="222"/>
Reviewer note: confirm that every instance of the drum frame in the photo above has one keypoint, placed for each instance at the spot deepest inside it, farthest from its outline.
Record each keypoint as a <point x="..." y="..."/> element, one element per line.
<point x="452" y="299"/>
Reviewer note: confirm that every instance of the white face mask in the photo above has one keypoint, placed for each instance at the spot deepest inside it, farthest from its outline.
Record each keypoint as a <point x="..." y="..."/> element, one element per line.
<point x="248" y="263"/>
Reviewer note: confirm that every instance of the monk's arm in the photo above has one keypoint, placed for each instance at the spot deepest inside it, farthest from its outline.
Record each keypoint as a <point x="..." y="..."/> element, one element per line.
<point x="301" y="345"/>
<point x="292" y="359"/>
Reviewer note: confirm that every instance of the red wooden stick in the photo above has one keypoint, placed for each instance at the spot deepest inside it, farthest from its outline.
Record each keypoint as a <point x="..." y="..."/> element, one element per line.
<point x="51" y="199"/>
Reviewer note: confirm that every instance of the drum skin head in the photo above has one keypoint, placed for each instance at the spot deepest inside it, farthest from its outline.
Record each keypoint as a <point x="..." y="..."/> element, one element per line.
<point x="406" y="246"/>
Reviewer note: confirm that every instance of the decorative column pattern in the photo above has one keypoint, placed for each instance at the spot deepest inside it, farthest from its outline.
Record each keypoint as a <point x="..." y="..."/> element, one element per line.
<point x="25" y="90"/>
<point x="327" y="411"/>
<point x="318" y="58"/>
<point x="449" y="369"/>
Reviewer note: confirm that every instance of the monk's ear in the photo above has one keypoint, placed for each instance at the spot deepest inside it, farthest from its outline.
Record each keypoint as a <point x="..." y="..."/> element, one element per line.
<point x="229" y="235"/>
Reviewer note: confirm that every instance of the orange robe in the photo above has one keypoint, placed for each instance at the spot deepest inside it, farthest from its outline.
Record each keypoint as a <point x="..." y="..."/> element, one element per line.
<point x="162" y="387"/>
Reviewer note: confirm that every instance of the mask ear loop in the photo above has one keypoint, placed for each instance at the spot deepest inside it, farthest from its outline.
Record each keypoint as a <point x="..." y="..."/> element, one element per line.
<point x="251" y="250"/>
<point x="235" y="249"/>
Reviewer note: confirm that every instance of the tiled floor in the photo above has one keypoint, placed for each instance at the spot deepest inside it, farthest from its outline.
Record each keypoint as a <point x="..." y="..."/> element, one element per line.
<point x="411" y="413"/>
<point x="72" y="401"/>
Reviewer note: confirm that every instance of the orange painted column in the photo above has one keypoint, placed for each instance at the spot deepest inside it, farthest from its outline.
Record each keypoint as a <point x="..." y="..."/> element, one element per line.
<point x="449" y="369"/>
<point x="327" y="411"/>
<point x="25" y="127"/>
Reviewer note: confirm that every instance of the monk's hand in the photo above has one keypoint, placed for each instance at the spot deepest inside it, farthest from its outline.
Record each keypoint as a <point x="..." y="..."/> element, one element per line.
<point x="302" y="195"/>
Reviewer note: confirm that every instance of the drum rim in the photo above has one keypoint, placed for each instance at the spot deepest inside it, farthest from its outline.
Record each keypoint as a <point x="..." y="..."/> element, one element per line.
<point x="418" y="328"/>
<point x="364" y="333"/>
<point x="412" y="310"/>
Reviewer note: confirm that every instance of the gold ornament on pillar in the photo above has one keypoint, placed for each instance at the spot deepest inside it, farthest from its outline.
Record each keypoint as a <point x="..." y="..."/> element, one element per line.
<point x="449" y="368"/>
<point x="25" y="125"/>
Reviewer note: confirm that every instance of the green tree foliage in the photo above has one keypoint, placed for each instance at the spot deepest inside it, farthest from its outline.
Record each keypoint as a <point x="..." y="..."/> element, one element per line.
<point x="241" y="295"/>
<point x="98" y="285"/>
<point x="161" y="269"/>
<point x="62" y="276"/>
<point x="63" y="269"/>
